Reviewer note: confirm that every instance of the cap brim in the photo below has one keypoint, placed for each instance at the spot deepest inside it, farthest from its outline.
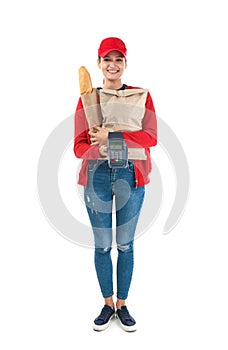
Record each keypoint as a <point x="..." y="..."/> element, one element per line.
<point x="110" y="50"/>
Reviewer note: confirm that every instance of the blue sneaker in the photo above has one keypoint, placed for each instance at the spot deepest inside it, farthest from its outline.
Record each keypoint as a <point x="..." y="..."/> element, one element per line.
<point x="103" y="320"/>
<point x="127" y="322"/>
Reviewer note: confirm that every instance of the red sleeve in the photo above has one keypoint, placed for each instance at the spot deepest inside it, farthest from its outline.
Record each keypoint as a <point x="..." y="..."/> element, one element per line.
<point x="147" y="137"/>
<point x="82" y="147"/>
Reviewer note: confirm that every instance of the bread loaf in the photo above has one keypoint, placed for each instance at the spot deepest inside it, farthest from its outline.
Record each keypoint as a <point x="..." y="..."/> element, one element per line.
<point x="85" y="82"/>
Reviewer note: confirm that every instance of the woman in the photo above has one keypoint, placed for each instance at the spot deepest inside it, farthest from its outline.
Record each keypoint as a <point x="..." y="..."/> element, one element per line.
<point x="136" y="120"/>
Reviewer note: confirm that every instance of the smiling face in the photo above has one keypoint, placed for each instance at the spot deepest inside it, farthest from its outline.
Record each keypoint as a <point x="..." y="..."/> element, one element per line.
<point x="112" y="66"/>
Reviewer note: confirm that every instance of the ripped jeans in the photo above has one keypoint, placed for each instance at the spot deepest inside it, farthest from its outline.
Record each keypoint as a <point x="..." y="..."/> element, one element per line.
<point x="105" y="184"/>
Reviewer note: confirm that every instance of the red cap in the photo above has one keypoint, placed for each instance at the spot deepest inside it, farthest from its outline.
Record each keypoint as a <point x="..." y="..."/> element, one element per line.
<point x="111" y="44"/>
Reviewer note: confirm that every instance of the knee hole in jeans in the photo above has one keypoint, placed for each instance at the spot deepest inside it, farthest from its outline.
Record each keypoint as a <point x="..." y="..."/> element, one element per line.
<point x="103" y="250"/>
<point x="125" y="247"/>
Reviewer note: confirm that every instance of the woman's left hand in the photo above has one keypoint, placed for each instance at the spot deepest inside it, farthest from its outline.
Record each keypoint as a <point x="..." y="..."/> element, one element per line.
<point x="98" y="135"/>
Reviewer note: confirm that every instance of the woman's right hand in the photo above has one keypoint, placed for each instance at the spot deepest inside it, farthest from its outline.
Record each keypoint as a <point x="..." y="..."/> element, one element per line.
<point x="98" y="135"/>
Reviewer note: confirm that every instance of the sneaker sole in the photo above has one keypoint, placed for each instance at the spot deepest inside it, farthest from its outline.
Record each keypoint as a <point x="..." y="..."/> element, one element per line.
<point x="103" y="326"/>
<point x="127" y="328"/>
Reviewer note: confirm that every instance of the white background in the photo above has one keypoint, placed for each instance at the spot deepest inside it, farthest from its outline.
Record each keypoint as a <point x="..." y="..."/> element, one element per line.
<point x="49" y="294"/>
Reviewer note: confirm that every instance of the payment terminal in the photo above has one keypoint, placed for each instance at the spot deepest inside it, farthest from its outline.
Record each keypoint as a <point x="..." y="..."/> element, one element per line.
<point x="117" y="150"/>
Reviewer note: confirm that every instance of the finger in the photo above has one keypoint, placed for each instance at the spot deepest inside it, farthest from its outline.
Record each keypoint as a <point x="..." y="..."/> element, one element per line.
<point x="98" y="128"/>
<point x="95" y="127"/>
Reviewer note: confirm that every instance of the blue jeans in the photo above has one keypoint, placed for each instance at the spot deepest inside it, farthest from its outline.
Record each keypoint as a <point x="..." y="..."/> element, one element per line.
<point x="105" y="184"/>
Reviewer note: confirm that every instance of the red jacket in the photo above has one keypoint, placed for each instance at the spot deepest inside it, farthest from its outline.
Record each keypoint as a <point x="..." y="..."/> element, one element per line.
<point x="146" y="138"/>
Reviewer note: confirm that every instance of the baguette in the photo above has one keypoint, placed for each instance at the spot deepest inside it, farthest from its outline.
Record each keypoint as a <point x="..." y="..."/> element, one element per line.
<point x="85" y="82"/>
